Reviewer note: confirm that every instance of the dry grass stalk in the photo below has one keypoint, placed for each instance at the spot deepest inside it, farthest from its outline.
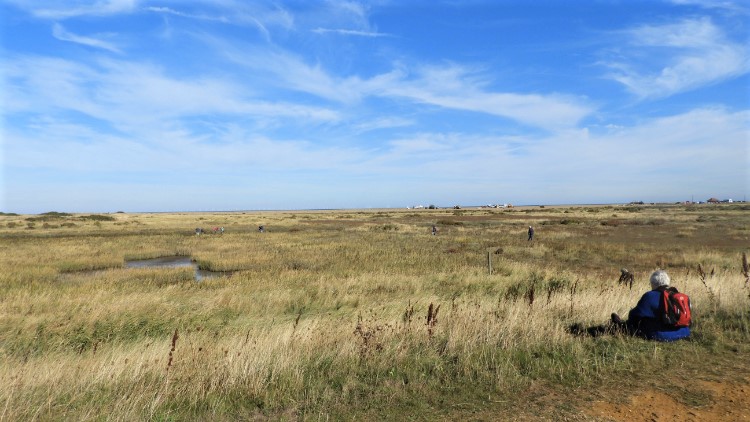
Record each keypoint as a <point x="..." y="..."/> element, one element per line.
<point x="572" y="294"/>
<point x="530" y="293"/>
<point x="432" y="312"/>
<point x="175" y="336"/>
<point x="701" y="273"/>
<point x="745" y="268"/>
<point x="408" y="313"/>
<point x="711" y="295"/>
<point x="296" y="320"/>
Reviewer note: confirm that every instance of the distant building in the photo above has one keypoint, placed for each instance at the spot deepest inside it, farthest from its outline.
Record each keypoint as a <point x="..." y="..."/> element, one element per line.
<point x="713" y="201"/>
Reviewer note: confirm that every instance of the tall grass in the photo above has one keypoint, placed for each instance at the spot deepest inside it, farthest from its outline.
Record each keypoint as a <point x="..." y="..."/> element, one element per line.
<point x="326" y="313"/>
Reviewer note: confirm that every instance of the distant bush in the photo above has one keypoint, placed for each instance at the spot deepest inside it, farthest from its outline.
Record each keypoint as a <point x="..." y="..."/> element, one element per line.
<point x="97" y="217"/>
<point x="450" y="223"/>
<point x="633" y="209"/>
<point x="385" y="227"/>
<point x="49" y="216"/>
<point x="567" y="221"/>
<point x="56" y="214"/>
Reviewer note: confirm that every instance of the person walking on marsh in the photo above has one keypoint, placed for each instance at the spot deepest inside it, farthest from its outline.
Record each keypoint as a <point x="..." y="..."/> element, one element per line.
<point x="531" y="233"/>
<point x="661" y="314"/>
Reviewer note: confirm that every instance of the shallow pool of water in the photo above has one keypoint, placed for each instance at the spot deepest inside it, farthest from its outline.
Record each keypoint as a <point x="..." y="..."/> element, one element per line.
<point x="175" y="262"/>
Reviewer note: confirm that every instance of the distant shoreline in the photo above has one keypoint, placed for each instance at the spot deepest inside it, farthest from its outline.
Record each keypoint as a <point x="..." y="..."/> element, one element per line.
<point x="440" y="208"/>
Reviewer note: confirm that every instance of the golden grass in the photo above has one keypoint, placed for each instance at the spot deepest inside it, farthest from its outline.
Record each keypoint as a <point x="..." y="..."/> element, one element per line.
<point x="327" y="306"/>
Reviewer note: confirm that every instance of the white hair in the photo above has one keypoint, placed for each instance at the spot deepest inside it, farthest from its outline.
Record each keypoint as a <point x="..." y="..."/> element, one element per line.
<point x="659" y="278"/>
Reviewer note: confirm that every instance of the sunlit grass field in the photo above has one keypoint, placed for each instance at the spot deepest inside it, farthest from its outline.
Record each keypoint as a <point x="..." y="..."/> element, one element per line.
<point x="349" y="314"/>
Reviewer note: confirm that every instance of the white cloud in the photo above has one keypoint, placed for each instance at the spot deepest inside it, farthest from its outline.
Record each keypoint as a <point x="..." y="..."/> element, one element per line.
<point x="170" y="11"/>
<point x="702" y="152"/>
<point x="350" y="32"/>
<point x="53" y="9"/>
<point x="382" y="123"/>
<point x="449" y="86"/>
<point x="289" y="71"/>
<point x="715" y="4"/>
<point x="679" y="57"/>
<point x="263" y="19"/>
<point x="61" y="34"/>
<point x="131" y="96"/>
<point x="458" y="88"/>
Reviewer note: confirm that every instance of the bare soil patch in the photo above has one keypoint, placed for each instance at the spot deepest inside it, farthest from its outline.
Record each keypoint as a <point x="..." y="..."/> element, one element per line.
<point x="711" y="401"/>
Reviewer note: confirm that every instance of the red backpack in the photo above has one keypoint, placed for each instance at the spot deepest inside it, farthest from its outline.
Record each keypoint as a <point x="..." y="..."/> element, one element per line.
<point x="677" y="308"/>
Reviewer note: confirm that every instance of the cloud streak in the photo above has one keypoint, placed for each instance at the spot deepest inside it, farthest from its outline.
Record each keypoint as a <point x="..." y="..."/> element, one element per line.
<point x="451" y="87"/>
<point x="63" y="35"/>
<point x="350" y="32"/>
<point x="131" y="96"/>
<point x="697" y="54"/>
<point x="50" y="9"/>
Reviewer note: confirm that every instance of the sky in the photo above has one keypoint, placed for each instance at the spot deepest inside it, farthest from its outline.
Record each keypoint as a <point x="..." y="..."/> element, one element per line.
<point x="224" y="105"/>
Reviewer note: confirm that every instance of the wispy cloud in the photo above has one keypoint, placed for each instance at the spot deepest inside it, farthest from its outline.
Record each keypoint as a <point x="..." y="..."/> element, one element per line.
<point x="678" y="57"/>
<point x="170" y="11"/>
<point x="460" y="88"/>
<point x="251" y="14"/>
<point x="350" y="32"/>
<point x="382" y="123"/>
<point x="134" y="96"/>
<point x="62" y="34"/>
<point x="715" y="4"/>
<point x="447" y="86"/>
<point x="51" y="9"/>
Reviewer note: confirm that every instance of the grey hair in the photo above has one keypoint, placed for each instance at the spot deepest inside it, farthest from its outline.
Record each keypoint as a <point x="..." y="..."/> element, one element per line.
<point x="659" y="278"/>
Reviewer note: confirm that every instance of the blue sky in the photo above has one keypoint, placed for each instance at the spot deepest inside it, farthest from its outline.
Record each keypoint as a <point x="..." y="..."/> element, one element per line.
<point x="163" y="105"/>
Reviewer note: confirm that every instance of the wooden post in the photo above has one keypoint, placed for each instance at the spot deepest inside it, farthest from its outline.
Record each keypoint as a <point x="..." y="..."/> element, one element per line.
<point x="489" y="261"/>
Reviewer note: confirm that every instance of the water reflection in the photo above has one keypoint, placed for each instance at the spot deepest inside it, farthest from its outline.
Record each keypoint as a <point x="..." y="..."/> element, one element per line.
<point x="175" y="262"/>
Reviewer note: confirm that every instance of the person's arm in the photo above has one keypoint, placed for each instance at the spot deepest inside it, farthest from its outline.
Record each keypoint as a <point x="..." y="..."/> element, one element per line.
<point x="643" y="309"/>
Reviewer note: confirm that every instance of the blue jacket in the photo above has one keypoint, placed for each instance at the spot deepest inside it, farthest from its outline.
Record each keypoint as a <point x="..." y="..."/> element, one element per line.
<point x="645" y="320"/>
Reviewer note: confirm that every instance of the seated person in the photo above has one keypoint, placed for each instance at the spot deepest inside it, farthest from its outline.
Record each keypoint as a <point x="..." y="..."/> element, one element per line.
<point x="645" y="320"/>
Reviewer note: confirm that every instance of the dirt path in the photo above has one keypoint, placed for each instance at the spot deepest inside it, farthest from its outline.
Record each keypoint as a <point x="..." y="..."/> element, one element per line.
<point x="711" y="401"/>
